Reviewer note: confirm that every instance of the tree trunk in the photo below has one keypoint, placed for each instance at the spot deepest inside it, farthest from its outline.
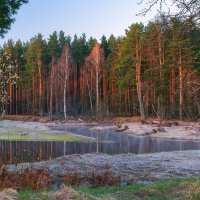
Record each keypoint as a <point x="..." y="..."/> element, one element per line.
<point x="138" y="78"/>
<point x="97" y="92"/>
<point x="33" y="92"/>
<point x="10" y="97"/>
<point x="51" y="87"/>
<point x="64" y="93"/>
<point x="180" y="84"/>
<point x="66" y="76"/>
<point x="89" y="92"/>
<point x="40" y="86"/>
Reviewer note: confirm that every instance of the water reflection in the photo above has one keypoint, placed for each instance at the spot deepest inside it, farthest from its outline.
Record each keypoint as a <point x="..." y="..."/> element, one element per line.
<point x="23" y="151"/>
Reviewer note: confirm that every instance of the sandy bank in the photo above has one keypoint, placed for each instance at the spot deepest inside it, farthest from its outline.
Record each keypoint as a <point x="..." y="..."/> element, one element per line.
<point x="180" y="130"/>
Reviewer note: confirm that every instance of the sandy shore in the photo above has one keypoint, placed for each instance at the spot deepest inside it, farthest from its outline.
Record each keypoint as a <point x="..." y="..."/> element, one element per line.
<point x="180" y="130"/>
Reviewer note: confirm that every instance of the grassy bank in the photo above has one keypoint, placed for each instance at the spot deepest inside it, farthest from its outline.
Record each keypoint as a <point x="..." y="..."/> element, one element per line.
<point x="179" y="189"/>
<point x="31" y="131"/>
<point x="19" y="135"/>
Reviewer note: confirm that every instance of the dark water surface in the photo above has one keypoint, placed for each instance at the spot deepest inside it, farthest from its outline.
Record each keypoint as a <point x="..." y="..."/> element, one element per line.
<point x="108" y="142"/>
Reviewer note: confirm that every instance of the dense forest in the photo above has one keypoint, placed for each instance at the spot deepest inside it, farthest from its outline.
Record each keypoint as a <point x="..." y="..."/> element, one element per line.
<point x="151" y="71"/>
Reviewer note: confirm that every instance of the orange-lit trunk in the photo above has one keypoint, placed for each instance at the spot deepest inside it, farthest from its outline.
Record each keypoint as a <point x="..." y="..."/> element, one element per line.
<point x="51" y="88"/>
<point x="40" y="86"/>
<point x="180" y="83"/>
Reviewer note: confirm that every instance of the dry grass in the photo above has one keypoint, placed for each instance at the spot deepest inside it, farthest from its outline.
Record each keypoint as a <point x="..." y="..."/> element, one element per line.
<point x="94" y="179"/>
<point x="9" y="194"/>
<point x="26" y="179"/>
<point x="35" y="179"/>
<point x="66" y="193"/>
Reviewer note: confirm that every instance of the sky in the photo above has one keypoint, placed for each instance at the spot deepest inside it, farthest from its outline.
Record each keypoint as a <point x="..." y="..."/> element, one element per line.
<point x="93" y="17"/>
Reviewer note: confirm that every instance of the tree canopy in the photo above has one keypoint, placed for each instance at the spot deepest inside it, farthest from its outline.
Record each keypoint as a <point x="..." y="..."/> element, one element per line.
<point x="8" y="8"/>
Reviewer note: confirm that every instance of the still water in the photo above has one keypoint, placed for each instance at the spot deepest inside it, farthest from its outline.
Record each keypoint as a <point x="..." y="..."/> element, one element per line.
<point x="108" y="142"/>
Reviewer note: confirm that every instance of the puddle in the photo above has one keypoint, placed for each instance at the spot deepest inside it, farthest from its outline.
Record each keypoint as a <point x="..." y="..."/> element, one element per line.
<point x="107" y="142"/>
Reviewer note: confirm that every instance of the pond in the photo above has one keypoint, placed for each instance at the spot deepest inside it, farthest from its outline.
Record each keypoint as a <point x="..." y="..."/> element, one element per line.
<point x="108" y="142"/>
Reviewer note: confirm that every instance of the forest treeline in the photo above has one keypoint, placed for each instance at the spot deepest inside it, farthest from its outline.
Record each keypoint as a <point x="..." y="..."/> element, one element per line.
<point x="151" y="71"/>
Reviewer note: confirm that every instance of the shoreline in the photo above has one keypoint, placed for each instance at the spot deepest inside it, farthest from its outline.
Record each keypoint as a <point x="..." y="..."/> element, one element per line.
<point x="168" y="129"/>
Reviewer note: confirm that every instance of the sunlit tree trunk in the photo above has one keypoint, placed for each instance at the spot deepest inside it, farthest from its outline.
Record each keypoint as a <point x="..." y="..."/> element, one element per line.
<point x="173" y="82"/>
<point x="51" y="87"/>
<point x="33" y="92"/>
<point x="40" y="85"/>
<point x="95" y="61"/>
<point x="180" y="84"/>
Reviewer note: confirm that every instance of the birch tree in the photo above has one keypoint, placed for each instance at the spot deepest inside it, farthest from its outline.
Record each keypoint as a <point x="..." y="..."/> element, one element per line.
<point x="65" y="65"/>
<point x="95" y="62"/>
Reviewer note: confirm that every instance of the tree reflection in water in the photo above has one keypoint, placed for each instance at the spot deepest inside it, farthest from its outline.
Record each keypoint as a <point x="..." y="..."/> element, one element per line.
<point x="107" y="142"/>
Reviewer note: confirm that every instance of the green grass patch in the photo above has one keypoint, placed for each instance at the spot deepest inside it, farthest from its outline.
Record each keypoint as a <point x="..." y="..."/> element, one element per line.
<point x="19" y="135"/>
<point x="33" y="195"/>
<point x="29" y="131"/>
<point x="179" y="189"/>
<point x="167" y="189"/>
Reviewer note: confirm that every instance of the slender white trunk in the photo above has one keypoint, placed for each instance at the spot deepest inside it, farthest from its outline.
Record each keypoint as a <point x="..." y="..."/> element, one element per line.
<point x="66" y="75"/>
<point x="138" y="78"/>
<point x="64" y="94"/>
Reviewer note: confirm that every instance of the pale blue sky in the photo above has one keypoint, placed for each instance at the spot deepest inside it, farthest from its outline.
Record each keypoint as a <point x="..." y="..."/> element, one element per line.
<point x="93" y="17"/>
